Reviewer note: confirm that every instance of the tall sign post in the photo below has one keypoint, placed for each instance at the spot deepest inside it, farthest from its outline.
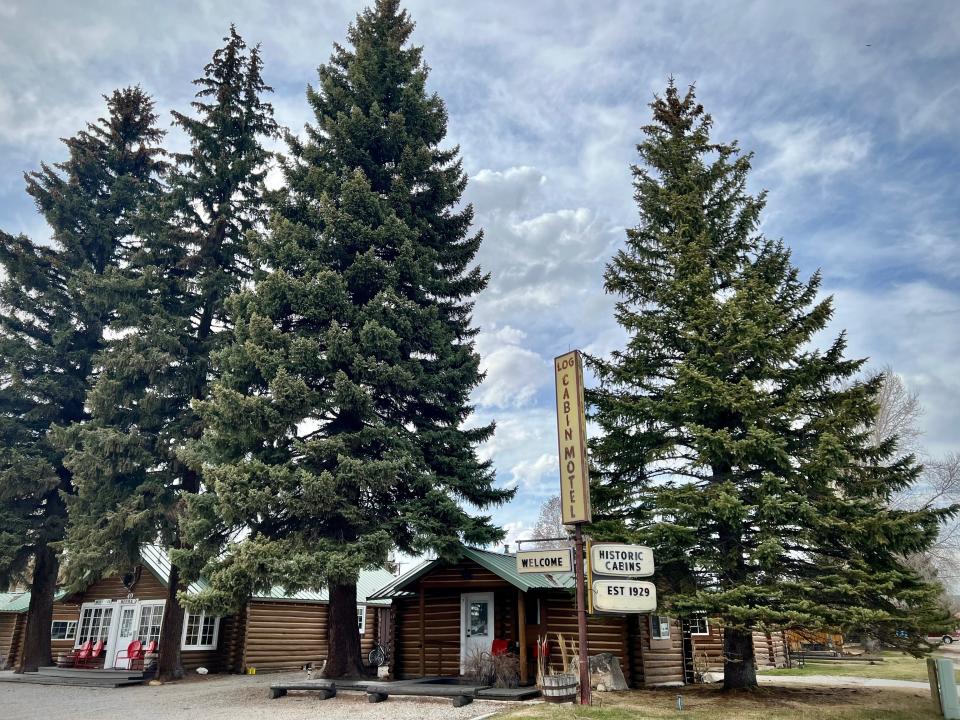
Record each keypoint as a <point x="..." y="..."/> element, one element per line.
<point x="574" y="485"/>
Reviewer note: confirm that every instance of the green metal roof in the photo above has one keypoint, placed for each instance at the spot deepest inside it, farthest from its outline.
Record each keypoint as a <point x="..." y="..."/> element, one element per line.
<point x="19" y="602"/>
<point x="501" y="565"/>
<point x="157" y="559"/>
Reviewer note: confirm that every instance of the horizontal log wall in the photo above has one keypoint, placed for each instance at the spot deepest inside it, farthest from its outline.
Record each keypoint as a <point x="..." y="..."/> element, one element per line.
<point x="605" y="634"/>
<point x="284" y="635"/>
<point x="11" y="632"/>
<point x="442" y="653"/>
<point x="661" y="665"/>
<point x="708" y="649"/>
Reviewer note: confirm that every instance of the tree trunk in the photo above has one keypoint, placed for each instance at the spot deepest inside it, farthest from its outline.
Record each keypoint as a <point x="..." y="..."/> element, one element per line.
<point x="739" y="663"/>
<point x="343" y="634"/>
<point x="36" y="641"/>
<point x="170" y="666"/>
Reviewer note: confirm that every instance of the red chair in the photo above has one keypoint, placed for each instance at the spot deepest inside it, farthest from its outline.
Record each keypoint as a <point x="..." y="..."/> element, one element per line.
<point x="89" y="660"/>
<point x="499" y="647"/>
<point x="133" y="655"/>
<point x="70" y="660"/>
<point x="542" y="649"/>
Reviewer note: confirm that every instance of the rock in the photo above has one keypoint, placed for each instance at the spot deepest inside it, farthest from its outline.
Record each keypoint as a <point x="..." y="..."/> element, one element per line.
<point x="202" y="671"/>
<point x="604" y="670"/>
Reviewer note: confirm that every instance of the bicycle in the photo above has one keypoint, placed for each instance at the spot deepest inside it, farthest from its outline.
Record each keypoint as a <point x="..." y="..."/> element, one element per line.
<point x="379" y="655"/>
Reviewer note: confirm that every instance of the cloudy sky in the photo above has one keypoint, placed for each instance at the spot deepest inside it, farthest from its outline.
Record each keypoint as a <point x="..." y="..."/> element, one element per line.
<point x="852" y="109"/>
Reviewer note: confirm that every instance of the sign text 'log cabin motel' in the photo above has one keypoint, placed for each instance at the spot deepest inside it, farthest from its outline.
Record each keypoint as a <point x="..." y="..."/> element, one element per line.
<point x="572" y="439"/>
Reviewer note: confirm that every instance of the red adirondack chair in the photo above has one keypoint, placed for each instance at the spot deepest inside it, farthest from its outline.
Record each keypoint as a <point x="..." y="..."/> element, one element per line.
<point x="133" y="655"/>
<point x="89" y="660"/>
<point x="70" y="659"/>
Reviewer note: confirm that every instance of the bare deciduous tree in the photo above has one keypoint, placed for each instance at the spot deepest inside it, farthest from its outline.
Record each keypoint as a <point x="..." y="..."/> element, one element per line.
<point x="550" y="525"/>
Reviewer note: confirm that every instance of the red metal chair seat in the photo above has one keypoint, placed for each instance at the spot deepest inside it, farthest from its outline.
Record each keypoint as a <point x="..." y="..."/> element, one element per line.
<point x="499" y="647"/>
<point x="70" y="659"/>
<point x="89" y="658"/>
<point x="133" y="655"/>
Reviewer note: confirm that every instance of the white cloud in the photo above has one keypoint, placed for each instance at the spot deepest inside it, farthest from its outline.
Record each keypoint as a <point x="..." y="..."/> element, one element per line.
<point x="531" y="474"/>
<point x="811" y="149"/>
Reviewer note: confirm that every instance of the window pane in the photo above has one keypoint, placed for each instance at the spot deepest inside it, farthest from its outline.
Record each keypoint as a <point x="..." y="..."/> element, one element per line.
<point x="193" y="629"/>
<point x="360" y="610"/>
<point x="478" y="619"/>
<point x="126" y="622"/>
<point x="209" y="625"/>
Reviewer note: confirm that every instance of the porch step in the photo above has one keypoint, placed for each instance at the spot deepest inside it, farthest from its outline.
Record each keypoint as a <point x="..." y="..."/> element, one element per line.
<point x="38" y="679"/>
<point x="96" y="673"/>
<point x="518" y="693"/>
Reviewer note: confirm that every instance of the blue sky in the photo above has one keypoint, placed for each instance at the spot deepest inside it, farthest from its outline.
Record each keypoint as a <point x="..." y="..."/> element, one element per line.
<point x="852" y="110"/>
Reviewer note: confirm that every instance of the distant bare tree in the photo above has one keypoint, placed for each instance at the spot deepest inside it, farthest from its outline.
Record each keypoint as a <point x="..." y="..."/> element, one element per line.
<point x="550" y="525"/>
<point x="899" y="414"/>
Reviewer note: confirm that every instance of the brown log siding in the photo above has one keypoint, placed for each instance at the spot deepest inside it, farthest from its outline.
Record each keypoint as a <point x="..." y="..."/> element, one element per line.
<point x="11" y="635"/>
<point x="662" y="663"/>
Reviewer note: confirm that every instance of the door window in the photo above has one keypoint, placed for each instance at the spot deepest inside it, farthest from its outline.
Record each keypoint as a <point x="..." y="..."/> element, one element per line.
<point x="150" y="618"/>
<point x="126" y="622"/>
<point x="479" y="619"/>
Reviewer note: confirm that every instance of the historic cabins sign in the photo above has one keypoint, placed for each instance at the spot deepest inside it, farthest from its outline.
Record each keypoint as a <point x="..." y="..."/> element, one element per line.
<point x="572" y="439"/>
<point x="613" y="589"/>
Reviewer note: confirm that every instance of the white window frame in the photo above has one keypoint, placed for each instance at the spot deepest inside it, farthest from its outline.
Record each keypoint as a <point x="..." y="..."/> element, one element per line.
<point x="71" y="630"/>
<point x="92" y="607"/>
<point x="142" y="605"/>
<point x="697" y="619"/>
<point x="203" y="617"/>
<point x="362" y="618"/>
<point x="658" y="625"/>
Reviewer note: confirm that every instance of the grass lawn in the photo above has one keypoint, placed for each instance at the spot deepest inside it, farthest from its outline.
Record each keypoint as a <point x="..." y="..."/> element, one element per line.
<point x="767" y="703"/>
<point x="895" y="666"/>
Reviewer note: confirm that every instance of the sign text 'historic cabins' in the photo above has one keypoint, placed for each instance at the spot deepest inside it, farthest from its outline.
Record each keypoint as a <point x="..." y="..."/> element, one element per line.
<point x="618" y="560"/>
<point x="624" y="596"/>
<point x="572" y="439"/>
<point x="559" y="560"/>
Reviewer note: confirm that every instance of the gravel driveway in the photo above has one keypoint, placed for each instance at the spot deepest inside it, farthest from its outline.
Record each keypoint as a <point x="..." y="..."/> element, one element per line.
<point x="228" y="697"/>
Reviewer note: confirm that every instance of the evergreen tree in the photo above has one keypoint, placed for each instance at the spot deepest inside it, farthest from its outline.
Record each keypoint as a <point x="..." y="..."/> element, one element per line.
<point x="336" y="430"/>
<point x="51" y="327"/>
<point x="729" y="444"/>
<point x="131" y="487"/>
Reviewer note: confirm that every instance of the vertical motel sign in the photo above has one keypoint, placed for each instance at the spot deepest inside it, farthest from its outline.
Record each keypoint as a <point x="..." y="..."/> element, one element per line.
<point x="572" y="439"/>
<point x="574" y="486"/>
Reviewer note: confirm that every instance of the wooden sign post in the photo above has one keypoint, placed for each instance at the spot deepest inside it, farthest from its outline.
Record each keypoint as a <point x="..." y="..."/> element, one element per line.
<point x="574" y="485"/>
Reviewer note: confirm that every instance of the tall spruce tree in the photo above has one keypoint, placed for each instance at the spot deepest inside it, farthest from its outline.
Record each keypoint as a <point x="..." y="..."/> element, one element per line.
<point x="336" y="428"/>
<point x="192" y="255"/>
<point x="52" y="321"/>
<point x="729" y="444"/>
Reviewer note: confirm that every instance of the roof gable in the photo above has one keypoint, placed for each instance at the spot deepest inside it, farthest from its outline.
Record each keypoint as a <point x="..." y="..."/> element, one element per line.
<point x="501" y="565"/>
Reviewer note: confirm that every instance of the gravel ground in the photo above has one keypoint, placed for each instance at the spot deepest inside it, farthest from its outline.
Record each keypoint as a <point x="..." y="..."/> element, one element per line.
<point x="228" y="697"/>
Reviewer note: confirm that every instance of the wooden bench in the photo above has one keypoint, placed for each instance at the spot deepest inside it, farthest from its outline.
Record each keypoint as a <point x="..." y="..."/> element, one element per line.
<point x="458" y="696"/>
<point x="326" y="689"/>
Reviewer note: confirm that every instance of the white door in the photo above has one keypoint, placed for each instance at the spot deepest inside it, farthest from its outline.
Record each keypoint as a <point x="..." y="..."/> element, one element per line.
<point x="476" y="624"/>
<point x="126" y="633"/>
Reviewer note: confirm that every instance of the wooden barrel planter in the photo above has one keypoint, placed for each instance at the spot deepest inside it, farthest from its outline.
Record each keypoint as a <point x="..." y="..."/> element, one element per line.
<point x="559" y="688"/>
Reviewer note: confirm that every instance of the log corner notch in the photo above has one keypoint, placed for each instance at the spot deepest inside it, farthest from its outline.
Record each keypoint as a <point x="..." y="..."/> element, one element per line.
<point x="522" y="635"/>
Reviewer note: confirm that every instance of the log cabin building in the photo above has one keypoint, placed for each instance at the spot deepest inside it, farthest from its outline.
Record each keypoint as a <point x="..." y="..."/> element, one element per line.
<point x="432" y="617"/>
<point x="444" y="611"/>
<point x="273" y="631"/>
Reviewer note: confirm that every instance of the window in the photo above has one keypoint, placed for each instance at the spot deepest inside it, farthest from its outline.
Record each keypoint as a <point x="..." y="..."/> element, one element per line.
<point x="94" y="624"/>
<point x="63" y="630"/>
<point x="699" y="625"/>
<point x="533" y="609"/>
<point x="361" y="617"/>
<point x="151" y="617"/>
<point x="478" y="614"/>
<point x="659" y="627"/>
<point x="200" y="631"/>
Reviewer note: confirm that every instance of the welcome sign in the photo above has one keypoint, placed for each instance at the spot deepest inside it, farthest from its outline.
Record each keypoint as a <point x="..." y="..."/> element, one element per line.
<point x="545" y="561"/>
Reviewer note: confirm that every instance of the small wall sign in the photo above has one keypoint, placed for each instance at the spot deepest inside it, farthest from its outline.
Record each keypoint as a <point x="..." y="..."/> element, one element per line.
<point x="557" y="560"/>
<point x="624" y="596"/>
